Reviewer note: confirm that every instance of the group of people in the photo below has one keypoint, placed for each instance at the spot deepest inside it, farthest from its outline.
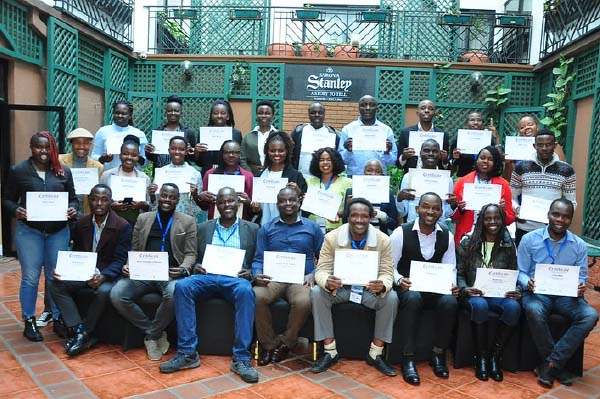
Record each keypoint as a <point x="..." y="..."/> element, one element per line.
<point x="170" y="218"/>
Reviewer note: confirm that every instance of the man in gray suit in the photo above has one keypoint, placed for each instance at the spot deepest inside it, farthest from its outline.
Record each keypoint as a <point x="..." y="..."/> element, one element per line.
<point x="232" y="232"/>
<point x="164" y="230"/>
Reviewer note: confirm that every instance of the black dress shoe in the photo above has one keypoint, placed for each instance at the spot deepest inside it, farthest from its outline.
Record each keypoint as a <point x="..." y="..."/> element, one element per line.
<point x="324" y="362"/>
<point x="481" y="367"/>
<point x="545" y="374"/>
<point x="265" y="357"/>
<point x="31" y="331"/>
<point x="565" y="377"/>
<point x="409" y="371"/>
<point x="59" y="328"/>
<point x="83" y="342"/>
<point x="380" y="364"/>
<point x="280" y="353"/>
<point x="439" y="365"/>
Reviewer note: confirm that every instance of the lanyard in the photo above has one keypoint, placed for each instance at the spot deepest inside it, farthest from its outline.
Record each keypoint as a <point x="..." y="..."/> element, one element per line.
<point x="236" y="172"/>
<point x="479" y="181"/>
<point x="164" y="232"/>
<point x="549" y="250"/>
<point x="358" y="244"/>
<point x="230" y="234"/>
<point x="328" y="183"/>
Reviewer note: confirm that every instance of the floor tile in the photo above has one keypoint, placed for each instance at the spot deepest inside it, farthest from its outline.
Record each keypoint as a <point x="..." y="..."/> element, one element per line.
<point x="363" y="393"/>
<point x="47" y="367"/>
<point x="563" y="393"/>
<point x="223" y="383"/>
<point x="245" y="393"/>
<point x="339" y="383"/>
<point x="122" y="384"/>
<point x="55" y="377"/>
<point x="182" y="377"/>
<point x="487" y="390"/>
<point x="525" y="379"/>
<point x="157" y="395"/>
<point x="293" y="386"/>
<point x="191" y="391"/>
<point x="88" y="365"/>
<point x="8" y="361"/>
<point x="29" y="394"/>
<point x="15" y="380"/>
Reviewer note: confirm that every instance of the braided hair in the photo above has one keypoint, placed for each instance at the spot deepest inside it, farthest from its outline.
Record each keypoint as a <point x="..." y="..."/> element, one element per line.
<point x="477" y="239"/>
<point x="129" y="106"/>
<point x="55" y="165"/>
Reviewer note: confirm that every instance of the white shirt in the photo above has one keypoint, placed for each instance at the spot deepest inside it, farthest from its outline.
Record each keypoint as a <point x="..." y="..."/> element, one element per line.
<point x="306" y="156"/>
<point x="262" y="139"/>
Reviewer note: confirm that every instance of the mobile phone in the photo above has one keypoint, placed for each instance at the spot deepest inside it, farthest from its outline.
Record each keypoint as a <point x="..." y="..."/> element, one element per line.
<point x="127" y="200"/>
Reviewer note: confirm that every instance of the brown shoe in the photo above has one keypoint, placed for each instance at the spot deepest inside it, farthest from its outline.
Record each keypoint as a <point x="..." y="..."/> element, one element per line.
<point x="264" y="357"/>
<point x="280" y="353"/>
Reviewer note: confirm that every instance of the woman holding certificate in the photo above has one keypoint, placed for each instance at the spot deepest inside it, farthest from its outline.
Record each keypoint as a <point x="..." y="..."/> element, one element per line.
<point x="489" y="247"/>
<point x="253" y="155"/>
<point x="41" y="194"/>
<point x="325" y="168"/>
<point x="129" y="185"/>
<point x="278" y="164"/>
<point x="482" y="186"/>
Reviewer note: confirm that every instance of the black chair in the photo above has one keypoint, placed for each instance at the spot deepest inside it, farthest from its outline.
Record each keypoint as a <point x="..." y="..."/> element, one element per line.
<point x="424" y="342"/>
<point x="530" y="357"/>
<point x="215" y="326"/>
<point x="353" y="327"/>
<point x="464" y="350"/>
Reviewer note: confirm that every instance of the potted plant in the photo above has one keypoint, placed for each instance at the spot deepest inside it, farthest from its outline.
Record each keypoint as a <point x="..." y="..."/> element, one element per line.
<point x="281" y="49"/>
<point x="345" y="51"/>
<point x="374" y="15"/>
<point x="184" y="13"/>
<point x="245" y="13"/>
<point x="455" y="17"/>
<point x="475" y="57"/>
<point x="307" y="14"/>
<point x="368" y="52"/>
<point x="314" y="50"/>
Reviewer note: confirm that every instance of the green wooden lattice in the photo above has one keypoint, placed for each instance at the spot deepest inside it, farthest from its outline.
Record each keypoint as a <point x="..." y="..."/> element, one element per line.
<point x="591" y="224"/>
<point x="585" y="73"/>
<point x="91" y="62"/>
<point x="17" y="37"/>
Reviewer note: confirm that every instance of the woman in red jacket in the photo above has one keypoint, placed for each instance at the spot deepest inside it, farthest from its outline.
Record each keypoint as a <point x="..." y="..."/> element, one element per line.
<point x="488" y="170"/>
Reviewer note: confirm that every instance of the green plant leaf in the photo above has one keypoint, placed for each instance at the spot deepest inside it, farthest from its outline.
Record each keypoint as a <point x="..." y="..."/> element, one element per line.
<point x="491" y="92"/>
<point x="490" y="100"/>
<point x="547" y="121"/>
<point x="552" y="95"/>
<point x="556" y="71"/>
<point x="502" y="91"/>
<point x="502" y="101"/>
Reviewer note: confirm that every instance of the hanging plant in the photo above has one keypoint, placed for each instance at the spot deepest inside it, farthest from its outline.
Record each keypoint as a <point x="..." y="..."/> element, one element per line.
<point x="556" y="109"/>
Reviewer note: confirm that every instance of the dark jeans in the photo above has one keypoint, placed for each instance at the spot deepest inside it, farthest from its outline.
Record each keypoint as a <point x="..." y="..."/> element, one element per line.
<point x="508" y="308"/>
<point x="538" y="308"/>
<point x="409" y="310"/>
<point x="237" y="291"/>
<point x="64" y="294"/>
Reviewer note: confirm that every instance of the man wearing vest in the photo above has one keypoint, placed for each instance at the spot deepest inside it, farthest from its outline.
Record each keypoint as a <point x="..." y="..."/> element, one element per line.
<point x="302" y="156"/>
<point x="426" y="241"/>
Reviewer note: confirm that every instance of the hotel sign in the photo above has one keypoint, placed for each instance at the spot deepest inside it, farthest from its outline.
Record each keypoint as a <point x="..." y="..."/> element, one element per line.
<point x="328" y="83"/>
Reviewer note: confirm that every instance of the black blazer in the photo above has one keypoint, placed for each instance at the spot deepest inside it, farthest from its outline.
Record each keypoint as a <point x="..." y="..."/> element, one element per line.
<point x="403" y="143"/>
<point x="248" y="233"/>
<point x="297" y="137"/>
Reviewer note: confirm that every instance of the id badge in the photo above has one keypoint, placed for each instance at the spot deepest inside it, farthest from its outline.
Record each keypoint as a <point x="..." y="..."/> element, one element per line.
<point x="356" y="292"/>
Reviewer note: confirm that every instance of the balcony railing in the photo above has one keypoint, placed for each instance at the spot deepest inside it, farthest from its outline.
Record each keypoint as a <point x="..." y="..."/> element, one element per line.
<point x="566" y="21"/>
<point x="111" y="17"/>
<point x="341" y="32"/>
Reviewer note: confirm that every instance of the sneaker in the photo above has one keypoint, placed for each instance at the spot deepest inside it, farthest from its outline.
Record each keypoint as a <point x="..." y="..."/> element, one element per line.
<point x="180" y="362"/>
<point x="545" y="374"/>
<point x="244" y="370"/>
<point x="44" y="319"/>
<point x="163" y="343"/>
<point x="153" y="349"/>
<point x="565" y="377"/>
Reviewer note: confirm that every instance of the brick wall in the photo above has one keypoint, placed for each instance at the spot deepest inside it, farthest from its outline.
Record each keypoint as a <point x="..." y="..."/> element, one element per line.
<point x="337" y="114"/>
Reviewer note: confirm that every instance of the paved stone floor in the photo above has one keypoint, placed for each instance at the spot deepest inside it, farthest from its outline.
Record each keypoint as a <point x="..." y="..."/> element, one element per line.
<point x="42" y="370"/>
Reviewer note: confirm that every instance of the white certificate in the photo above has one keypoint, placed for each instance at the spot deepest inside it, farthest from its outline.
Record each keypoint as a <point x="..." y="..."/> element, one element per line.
<point x="161" y="138"/>
<point x="369" y="138"/>
<point x="356" y="267"/>
<point x="415" y="139"/>
<point x="376" y="189"/>
<point x="472" y="141"/>
<point x="46" y="206"/>
<point x="76" y="266"/>
<point x="495" y="283"/>
<point x="223" y="260"/>
<point x="128" y="187"/>
<point x="84" y="179"/>
<point x="321" y="202"/>
<point x="265" y="189"/>
<point x="432" y="277"/>
<point x="217" y="182"/>
<point x="284" y="267"/>
<point x="478" y="195"/>
<point x="519" y="148"/>
<point x="214" y="136"/>
<point x="534" y="208"/>
<point x="561" y="280"/>
<point x="113" y="143"/>
<point x="312" y="141"/>
<point x="149" y="266"/>
<point x="430" y="180"/>
<point x="180" y="176"/>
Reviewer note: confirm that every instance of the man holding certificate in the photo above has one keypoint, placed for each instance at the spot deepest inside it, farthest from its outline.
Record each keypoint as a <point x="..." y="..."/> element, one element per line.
<point x="555" y="245"/>
<point x="355" y="158"/>
<point x="109" y="236"/>
<point x="425" y="241"/>
<point x="224" y="243"/>
<point x="165" y="230"/>
<point x="287" y="234"/>
<point x="353" y="241"/>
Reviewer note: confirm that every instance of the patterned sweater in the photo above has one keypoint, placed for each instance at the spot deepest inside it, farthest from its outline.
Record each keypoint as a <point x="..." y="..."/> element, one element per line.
<point x="551" y="181"/>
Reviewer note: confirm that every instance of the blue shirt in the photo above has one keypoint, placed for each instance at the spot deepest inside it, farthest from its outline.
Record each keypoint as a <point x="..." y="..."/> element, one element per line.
<point x="532" y="250"/>
<point x="355" y="160"/>
<point x="109" y="130"/>
<point x="227" y="236"/>
<point x="407" y="208"/>
<point x="302" y="237"/>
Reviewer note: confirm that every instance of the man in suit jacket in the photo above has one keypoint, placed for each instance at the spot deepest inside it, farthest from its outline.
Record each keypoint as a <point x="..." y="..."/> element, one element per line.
<point x="109" y="235"/>
<point x="357" y="234"/>
<point x="408" y="155"/>
<point x="231" y="232"/>
<point x="165" y="230"/>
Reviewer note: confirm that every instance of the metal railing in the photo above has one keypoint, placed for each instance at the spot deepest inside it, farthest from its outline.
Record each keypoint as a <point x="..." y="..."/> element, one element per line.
<point x="111" y="17"/>
<point x="566" y="21"/>
<point x="340" y="31"/>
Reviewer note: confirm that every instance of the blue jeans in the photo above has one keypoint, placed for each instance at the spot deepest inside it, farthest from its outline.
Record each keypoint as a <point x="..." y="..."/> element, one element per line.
<point x="538" y="308"/>
<point x="36" y="249"/>
<point x="509" y="309"/>
<point x="237" y="291"/>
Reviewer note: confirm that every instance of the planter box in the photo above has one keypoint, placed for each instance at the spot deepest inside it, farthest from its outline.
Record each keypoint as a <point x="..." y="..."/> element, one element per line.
<point x="314" y="50"/>
<point x="245" y="14"/>
<point x="512" y="20"/>
<point x="451" y="19"/>
<point x="307" y="15"/>
<point x="281" y="49"/>
<point x="184" y="13"/>
<point x="374" y="16"/>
